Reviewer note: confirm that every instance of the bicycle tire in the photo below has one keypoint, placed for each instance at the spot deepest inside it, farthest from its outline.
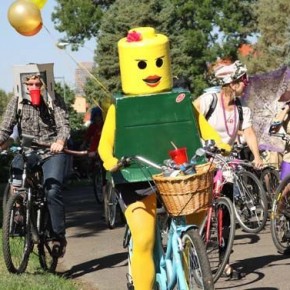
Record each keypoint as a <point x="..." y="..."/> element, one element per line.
<point x="251" y="206"/>
<point x="47" y="261"/>
<point x="17" y="243"/>
<point x="195" y="261"/>
<point x="270" y="179"/>
<point x="218" y="256"/>
<point x="110" y="205"/>
<point x="6" y="195"/>
<point x="98" y="184"/>
<point x="280" y="218"/>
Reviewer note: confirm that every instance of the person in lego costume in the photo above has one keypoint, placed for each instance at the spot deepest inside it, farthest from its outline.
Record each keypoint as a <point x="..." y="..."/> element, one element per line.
<point x="147" y="88"/>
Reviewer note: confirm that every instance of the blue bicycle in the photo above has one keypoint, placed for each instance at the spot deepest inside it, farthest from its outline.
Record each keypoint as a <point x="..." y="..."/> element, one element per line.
<point x="180" y="256"/>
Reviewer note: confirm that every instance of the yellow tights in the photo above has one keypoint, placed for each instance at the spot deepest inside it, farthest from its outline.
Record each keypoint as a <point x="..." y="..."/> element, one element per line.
<point x="141" y="216"/>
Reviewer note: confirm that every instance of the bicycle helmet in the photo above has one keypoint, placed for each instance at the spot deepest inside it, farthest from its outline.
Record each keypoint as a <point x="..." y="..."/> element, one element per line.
<point x="227" y="73"/>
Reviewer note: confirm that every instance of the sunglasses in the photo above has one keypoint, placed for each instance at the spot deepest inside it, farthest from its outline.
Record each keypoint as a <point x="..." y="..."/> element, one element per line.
<point x="34" y="84"/>
<point x="244" y="78"/>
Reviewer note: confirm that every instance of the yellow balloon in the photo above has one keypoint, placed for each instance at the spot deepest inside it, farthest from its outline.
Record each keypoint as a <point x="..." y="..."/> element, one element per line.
<point x="39" y="3"/>
<point x="25" y="17"/>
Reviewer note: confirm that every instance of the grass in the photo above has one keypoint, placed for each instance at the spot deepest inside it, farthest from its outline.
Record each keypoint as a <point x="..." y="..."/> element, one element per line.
<point x="34" y="278"/>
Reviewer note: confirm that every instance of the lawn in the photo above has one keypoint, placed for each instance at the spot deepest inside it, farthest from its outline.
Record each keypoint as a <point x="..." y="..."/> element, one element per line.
<point x="34" y="278"/>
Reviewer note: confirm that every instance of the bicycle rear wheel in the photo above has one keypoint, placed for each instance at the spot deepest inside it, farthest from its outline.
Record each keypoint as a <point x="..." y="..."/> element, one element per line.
<point x="195" y="262"/>
<point x="110" y="205"/>
<point x="98" y="183"/>
<point x="47" y="261"/>
<point x="219" y="237"/>
<point x="17" y="243"/>
<point x="250" y="206"/>
<point x="280" y="217"/>
<point x="270" y="179"/>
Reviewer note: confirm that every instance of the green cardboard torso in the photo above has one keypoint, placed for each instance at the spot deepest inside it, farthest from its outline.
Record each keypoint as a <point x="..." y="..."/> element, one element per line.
<point x="146" y="126"/>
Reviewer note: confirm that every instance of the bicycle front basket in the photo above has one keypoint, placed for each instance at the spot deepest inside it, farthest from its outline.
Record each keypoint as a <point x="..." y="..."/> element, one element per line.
<point x="183" y="195"/>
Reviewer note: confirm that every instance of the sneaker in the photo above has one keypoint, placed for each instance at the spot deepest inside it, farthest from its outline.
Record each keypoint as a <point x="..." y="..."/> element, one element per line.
<point x="58" y="248"/>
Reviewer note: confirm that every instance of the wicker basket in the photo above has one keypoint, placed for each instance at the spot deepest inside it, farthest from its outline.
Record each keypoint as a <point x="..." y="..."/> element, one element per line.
<point x="183" y="195"/>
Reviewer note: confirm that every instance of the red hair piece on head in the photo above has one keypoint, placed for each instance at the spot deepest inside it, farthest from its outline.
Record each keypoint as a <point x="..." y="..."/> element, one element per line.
<point x="133" y="36"/>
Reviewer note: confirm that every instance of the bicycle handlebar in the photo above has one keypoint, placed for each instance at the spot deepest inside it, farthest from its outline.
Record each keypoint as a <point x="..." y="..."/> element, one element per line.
<point x="126" y="161"/>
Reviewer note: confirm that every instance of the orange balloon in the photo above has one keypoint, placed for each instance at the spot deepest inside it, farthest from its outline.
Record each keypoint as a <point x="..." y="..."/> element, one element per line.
<point x="31" y="33"/>
<point x="25" y="17"/>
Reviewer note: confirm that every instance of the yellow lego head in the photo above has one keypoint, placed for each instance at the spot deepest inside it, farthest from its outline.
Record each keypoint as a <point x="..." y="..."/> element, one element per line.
<point x="144" y="62"/>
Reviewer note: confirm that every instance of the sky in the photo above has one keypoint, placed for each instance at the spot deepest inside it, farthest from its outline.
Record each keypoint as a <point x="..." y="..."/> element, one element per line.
<point x="17" y="49"/>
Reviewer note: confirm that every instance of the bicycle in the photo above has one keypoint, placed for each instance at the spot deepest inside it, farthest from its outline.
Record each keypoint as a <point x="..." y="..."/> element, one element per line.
<point x="249" y="198"/>
<point x="268" y="174"/>
<point x="218" y="227"/>
<point x="183" y="262"/>
<point x="98" y="178"/>
<point x="26" y="219"/>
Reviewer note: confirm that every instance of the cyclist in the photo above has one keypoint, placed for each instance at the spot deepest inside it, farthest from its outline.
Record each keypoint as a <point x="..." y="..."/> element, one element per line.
<point x="46" y="120"/>
<point x="232" y="77"/>
<point x="133" y="126"/>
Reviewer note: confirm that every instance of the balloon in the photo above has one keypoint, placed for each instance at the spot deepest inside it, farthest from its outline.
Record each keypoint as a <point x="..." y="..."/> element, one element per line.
<point x="39" y="3"/>
<point x="25" y="17"/>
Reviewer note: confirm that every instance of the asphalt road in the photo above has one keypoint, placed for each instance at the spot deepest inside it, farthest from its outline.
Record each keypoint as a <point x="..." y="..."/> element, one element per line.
<point x="95" y="255"/>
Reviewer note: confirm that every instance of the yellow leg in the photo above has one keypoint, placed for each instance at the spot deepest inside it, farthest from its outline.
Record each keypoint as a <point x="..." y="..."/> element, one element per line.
<point x="141" y="217"/>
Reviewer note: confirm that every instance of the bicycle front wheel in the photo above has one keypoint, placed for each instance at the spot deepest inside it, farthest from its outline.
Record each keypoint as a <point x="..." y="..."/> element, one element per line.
<point x="270" y="179"/>
<point x="110" y="205"/>
<point x="47" y="261"/>
<point x="218" y="232"/>
<point x="250" y="205"/>
<point x="17" y="243"/>
<point x="6" y="195"/>
<point x="280" y="217"/>
<point x="98" y="183"/>
<point x="195" y="262"/>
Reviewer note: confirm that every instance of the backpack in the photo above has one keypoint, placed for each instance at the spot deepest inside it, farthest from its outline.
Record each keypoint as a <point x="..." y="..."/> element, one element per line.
<point x="213" y="106"/>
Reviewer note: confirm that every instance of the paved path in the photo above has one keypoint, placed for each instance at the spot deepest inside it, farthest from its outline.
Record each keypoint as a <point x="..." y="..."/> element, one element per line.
<point x="96" y="257"/>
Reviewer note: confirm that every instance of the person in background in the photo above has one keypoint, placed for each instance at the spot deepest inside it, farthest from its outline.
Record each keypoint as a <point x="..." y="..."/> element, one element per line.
<point x="45" y="126"/>
<point x="281" y="122"/>
<point x="232" y="79"/>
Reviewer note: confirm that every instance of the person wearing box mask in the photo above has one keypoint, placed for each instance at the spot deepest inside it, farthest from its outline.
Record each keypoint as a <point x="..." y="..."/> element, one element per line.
<point x="32" y="115"/>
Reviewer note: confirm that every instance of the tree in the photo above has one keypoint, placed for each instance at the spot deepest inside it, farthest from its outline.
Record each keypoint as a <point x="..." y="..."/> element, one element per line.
<point x="76" y="119"/>
<point x="199" y="32"/>
<point x="4" y="99"/>
<point x="273" y="46"/>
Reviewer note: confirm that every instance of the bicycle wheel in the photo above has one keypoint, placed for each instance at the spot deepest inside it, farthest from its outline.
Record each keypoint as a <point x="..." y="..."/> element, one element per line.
<point x="250" y="205"/>
<point x="47" y="261"/>
<point x="98" y="183"/>
<point x="219" y="237"/>
<point x="17" y="243"/>
<point x="280" y="217"/>
<point x="270" y="179"/>
<point x="110" y="205"/>
<point x="6" y="196"/>
<point x="195" y="262"/>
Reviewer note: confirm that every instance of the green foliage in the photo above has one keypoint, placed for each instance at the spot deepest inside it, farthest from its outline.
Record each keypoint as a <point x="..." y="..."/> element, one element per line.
<point x="4" y="99"/>
<point x="199" y="32"/>
<point x="273" y="47"/>
<point x="76" y="119"/>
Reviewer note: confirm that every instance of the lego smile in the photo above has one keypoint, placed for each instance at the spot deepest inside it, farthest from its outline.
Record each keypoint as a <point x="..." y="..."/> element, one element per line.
<point x="152" y="81"/>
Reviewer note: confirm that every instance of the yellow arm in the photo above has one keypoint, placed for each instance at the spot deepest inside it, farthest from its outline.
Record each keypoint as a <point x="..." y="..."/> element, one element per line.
<point x="107" y="141"/>
<point x="208" y="132"/>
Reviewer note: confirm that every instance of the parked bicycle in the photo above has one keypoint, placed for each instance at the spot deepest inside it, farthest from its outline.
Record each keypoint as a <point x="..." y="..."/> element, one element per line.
<point x="26" y="219"/>
<point x="98" y="176"/>
<point x="183" y="262"/>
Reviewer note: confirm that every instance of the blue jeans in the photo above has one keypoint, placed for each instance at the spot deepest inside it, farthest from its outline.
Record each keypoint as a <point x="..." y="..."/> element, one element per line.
<point x="54" y="170"/>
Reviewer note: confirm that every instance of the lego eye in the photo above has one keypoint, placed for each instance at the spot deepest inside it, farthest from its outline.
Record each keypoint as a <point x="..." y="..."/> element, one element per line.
<point x="142" y="64"/>
<point x="159" y="62"/>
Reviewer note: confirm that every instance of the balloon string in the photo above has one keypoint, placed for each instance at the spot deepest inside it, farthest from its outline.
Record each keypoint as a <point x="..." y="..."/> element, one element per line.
<point x="84" y="68"/>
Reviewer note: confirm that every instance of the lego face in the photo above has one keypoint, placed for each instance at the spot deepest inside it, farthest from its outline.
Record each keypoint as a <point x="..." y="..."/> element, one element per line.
<point x="145" y="62"/>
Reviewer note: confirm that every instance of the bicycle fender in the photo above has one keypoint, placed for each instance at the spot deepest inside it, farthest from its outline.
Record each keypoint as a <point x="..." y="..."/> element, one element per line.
<point x="182" y="229"/>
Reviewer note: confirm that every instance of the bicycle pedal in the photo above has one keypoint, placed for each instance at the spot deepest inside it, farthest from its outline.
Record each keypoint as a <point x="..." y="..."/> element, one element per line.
<point x="130" y="286"/>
